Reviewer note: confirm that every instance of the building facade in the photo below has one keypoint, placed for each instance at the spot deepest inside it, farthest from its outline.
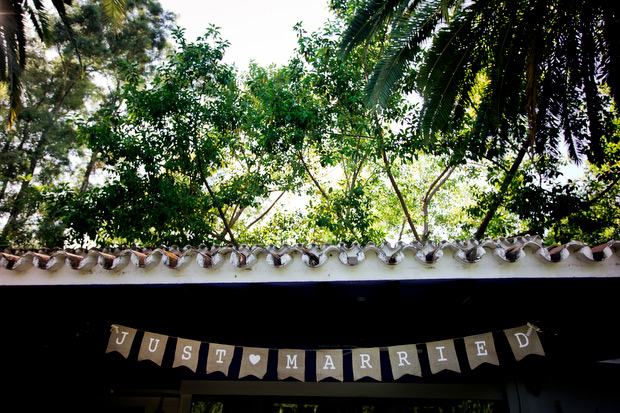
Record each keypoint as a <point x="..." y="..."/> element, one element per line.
<point x="355" y="308"/>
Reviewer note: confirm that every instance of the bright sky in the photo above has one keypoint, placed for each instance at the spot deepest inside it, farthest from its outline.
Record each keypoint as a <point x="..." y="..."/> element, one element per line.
<point x="257" y="30"/>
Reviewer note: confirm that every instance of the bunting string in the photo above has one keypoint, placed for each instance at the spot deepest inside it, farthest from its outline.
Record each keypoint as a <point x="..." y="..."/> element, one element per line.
<point x="330" y="363"/>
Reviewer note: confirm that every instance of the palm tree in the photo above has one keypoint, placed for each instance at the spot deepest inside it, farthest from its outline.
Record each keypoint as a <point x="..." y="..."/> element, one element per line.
<point x="13" y="39"/>
<point x="533" y="65"/>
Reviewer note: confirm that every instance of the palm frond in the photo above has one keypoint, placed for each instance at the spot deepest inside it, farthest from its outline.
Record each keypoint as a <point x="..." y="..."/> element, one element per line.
<point x="62" y="13"/>
<point x="13" y="54"/>
<point x="114" y="11"/>
<point x="374" y="15"/>
<point x="39" y="19"/>
<point x="408" y="33"/>
<point x="446" y="66"/>
<point x="611" y="46"/>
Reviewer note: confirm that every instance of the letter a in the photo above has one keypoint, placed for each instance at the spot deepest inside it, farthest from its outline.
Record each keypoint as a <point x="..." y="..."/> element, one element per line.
<point x="329" y="363"/>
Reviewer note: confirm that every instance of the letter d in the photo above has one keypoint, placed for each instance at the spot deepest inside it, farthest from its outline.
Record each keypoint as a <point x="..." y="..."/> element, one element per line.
<point x="525" y="342"/>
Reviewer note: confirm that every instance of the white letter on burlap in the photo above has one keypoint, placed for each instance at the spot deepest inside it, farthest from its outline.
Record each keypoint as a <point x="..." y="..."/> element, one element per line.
<point x="254" y="362"/>
<point x="524" y="341"/>
<point x="404" y="360"/>
<point x="366" y="363"/>
<point x="121" y="339"/>
<point x="153" y="347"/>
<point x="219" y="358"/>
<point x="291" y="363"/>
<point x="329" y="364"/>
<point x="480" y="349"/>
<point x="442" y="356"/>
<point x="186" y="354"/>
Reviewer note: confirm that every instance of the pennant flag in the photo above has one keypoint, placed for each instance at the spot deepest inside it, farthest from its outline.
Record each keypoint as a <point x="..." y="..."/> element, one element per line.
<point x="481" y="349"/>
<point x="219" y="358"/>
<point x="442" y="356"/>
<point x="329" y="363"/>
<point x="366" y="363"/>
<point x="254" y="362"/>
<point x="153" y="347"/>
<point x="524" y="341"/>
<point x="186" y="354"/>
<point x="404" y="360"/>
<point x="121" y="339"/>
<point x="292" y="363"/>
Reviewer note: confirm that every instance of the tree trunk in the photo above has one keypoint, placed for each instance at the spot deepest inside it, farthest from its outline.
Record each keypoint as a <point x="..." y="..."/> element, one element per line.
<point x="11" y="167"/>
<point x="501" y="194"/>
<point x="18" y="202"/>
<point x="90" y="168"/>
<point x="399" y="195"/>
<point x="432" y="190"/>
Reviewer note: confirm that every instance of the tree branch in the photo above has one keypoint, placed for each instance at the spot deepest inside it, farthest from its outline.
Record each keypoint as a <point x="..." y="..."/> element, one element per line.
<point x="261" y="216"/>
<point x="216" y="204"/>
<point x="316" y="183"/>
<point x="399" y="195"/>
<point x="501" y="194"/>
<point x="432" y="190"/>
<point x="299" y="155"/>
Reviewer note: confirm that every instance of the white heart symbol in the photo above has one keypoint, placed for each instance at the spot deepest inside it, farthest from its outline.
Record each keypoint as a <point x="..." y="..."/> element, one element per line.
<point x="254" y="358"/>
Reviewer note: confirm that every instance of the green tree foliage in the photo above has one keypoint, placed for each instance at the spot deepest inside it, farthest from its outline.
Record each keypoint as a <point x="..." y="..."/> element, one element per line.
<point x="506" y="83"/>
<point x="196" y="152"/>
<point x="14" y="38"/>
<point x="184" y="170"/>
<point x="351" y="157"/>
<point x="203" y="154"/>
<point x="58" y="88"/>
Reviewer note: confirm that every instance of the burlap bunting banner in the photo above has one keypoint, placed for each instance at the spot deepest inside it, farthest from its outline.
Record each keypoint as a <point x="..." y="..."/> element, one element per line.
<point x="480" y="349"/>
<point x="329" y="363"/>
<point x="524" y="341"/>
<point x="219" y="358"/>
<point x="121" y="339"/>
<point x="442" y="356"/>
<point x="254" y="362"/>
<point x="153" y="347"/>
<point x="187" y="354"/>
<point x="404" y="360"/>
<point x="291" y="363"/>
<point x="366" y="363"/>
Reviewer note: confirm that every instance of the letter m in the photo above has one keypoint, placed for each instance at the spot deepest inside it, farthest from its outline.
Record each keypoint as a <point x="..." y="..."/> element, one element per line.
<point x="291" y="361"/>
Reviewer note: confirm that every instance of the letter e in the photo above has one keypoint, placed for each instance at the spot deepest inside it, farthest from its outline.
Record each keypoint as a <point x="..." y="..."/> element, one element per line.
<point x="480" y="347"/>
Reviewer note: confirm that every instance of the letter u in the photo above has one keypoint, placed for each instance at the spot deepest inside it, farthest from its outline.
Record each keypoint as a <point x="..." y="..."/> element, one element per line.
<point x="151" y="348"/>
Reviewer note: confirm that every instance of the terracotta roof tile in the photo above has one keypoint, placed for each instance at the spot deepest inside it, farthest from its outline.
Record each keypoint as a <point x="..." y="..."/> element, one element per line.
<point x="507" y="251"/>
